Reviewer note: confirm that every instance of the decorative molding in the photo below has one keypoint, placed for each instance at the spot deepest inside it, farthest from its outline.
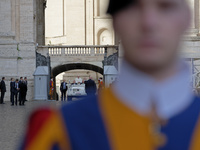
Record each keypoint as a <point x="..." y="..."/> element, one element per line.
<point x="45" y="4"/>
<point x="112" y="60"/>
<point x="41" y="60"/>
<point x="103" y="17"/>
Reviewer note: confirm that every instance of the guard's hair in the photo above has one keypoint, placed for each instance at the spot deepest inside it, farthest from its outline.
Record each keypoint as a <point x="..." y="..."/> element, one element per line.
<point x="117" y="5"/>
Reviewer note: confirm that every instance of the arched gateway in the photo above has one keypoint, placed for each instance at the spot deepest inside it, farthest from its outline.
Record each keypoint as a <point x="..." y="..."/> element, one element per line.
<point x="73" y="66"/>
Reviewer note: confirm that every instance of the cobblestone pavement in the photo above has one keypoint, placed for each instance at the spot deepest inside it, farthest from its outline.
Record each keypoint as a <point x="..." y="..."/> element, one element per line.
<point x="13" y="122"/>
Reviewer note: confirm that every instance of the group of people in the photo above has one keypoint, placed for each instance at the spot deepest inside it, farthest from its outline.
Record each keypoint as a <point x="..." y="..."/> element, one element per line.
<point x="90" y="86"/>
<point x="18" y="90"/>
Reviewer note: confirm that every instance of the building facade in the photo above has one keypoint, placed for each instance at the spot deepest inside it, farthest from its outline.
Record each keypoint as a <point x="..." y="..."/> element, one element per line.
<point x="68" y="22"/>
<point x="20" y="30"/>
<point x="79" y="22"/>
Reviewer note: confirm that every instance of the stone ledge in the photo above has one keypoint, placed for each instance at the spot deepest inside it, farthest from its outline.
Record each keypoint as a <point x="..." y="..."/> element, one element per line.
<point x="7" y="34"/>
<point x="191" y="38"/>
<point x="103" y="17"/>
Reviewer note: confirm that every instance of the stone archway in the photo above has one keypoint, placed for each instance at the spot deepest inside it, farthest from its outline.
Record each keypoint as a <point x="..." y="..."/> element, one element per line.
<point x="73" y="66"/>
<point x="104" y="37"/>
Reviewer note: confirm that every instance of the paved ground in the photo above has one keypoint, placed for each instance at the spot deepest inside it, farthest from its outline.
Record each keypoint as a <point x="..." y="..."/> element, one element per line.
<point x="13" y="122"/>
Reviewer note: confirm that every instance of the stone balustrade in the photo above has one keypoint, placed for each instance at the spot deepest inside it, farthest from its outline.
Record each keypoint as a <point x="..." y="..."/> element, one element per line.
<point x="77" y="50"/>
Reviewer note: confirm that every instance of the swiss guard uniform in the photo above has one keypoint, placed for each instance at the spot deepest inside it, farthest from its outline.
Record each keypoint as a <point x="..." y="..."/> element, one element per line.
<point x="136" y="114"/>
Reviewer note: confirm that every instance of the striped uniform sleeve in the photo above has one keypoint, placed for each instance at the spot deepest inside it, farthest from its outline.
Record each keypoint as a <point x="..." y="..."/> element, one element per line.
<point x="46" y="131"/>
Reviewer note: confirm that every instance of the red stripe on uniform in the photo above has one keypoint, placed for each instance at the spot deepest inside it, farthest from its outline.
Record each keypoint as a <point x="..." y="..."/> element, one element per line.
<point x="37" y="121"/>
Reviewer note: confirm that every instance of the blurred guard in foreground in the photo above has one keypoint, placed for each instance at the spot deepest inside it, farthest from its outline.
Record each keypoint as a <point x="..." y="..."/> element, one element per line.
<point x="150" y="107"/>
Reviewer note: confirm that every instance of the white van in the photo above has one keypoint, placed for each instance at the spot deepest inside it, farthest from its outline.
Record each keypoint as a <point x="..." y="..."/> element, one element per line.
<point x="76" y="91"/>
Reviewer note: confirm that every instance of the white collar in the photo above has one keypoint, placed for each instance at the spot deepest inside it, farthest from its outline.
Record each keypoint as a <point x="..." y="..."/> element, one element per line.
<point x="137" y="89"/>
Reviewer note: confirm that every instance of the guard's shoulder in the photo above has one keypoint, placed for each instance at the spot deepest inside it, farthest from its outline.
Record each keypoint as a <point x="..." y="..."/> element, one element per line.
<point x="38" y="119"/>
<point x="45" y="130"/>
<point x="40" y="115"/>
<point x="81" y="107"/>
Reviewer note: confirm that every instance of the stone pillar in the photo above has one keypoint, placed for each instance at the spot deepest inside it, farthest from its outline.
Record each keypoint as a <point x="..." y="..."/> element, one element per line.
<point x="89" y="22"/>
<point x="192" y="4"/>
<point x="39" y="16"/>
<point x="194" y="27"/>
<point x="120" y="56"/>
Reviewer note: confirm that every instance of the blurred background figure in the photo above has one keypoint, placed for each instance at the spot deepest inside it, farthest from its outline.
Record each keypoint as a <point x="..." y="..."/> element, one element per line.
<point x="23" y="90"/>
<point x="51" y="91"/>
<point x="90" y="87"/>
<point x="20" y="82"/>
<point x="63" y="89"/>
<point x="12" y="91"/>
<point x="78" y="80"/>
<point x="26" y="83"/>
<point x="74" y="82"/>
<point x="16" y="91"/>
<point x="3" y="90"/>
<point x="101" y="84"/>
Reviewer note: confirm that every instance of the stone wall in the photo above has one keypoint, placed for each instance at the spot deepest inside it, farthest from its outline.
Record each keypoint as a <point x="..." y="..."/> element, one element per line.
<point x="17" y="42"/>
<point x="76" y="22"/>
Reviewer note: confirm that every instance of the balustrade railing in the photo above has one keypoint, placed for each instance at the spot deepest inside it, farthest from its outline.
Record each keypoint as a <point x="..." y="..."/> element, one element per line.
<point x="78" y="50"/>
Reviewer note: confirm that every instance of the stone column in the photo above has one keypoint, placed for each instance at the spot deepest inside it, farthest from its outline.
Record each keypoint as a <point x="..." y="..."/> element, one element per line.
<point x="39" y="16"/>
<point x="194" y="26"/>
<point x="120" y="56"/>
<point x="89" y="16"/>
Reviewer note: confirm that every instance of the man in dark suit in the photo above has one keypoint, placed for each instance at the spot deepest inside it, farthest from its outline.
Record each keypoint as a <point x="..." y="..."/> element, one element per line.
<point x="22" y="91"/>
<point x="26" y="83"/>
<point x="12" y="91"/>
<point x="63" y="90"/>
<point x="90" y="87"/>
<point x="16" y="90"/>
<point x="20" y="82"/>
<point x="3" y="90"/>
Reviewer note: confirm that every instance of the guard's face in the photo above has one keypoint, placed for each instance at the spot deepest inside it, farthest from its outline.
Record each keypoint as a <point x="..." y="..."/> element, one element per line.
<point x="151" y="30"/>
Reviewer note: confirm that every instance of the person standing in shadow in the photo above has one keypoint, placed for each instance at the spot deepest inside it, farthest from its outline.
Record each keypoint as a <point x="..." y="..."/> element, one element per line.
<point x="16" y="89"/>
<point x="12" y="91"/>
<point x="26" y="83"/>
<point x="63" y="90"/>
<point x="23" y="89"/>
<point x="90" y="87"/>
<point x="3" y="90"/>
<point x="20" y="82"/>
